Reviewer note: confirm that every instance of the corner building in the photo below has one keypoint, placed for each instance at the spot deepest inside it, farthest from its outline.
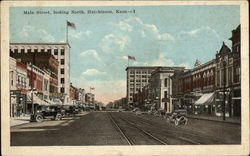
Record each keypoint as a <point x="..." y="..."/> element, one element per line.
<point x="61" y="52"/>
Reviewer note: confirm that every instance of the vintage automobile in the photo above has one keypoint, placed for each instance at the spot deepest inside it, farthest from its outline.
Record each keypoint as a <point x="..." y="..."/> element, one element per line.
<point x="42" y="112"/>
<point x="70" y="110"/>
<point x="177" y="117"/>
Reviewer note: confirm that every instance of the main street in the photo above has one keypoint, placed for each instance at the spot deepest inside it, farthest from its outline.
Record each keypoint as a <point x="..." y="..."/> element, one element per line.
<point x="122" y="128"/>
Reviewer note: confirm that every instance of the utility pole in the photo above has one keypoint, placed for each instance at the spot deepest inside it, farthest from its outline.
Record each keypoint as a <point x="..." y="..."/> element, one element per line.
<point x="224" y="91"/>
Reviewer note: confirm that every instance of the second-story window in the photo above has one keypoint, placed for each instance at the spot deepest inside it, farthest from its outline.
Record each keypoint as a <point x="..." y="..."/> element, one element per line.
<point x="62" y="51"/>
<point x="55" y="51"/>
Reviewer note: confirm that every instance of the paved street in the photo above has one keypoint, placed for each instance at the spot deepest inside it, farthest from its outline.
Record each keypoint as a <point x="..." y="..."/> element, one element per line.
<point x="122" y="128"/>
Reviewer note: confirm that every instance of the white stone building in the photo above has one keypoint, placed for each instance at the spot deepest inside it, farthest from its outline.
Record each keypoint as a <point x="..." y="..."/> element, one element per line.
<point x="161" y="87"/>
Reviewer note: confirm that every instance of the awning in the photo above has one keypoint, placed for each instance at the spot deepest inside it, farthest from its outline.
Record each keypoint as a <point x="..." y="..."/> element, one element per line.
<point x="36" y="99"/>
<point x="205" y="99"/>
<point x="50" y="102"/>
<point x="57" y="101"/>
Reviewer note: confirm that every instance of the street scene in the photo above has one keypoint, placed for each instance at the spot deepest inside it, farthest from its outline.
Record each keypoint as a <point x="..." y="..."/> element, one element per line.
<point x="120" y="76"/>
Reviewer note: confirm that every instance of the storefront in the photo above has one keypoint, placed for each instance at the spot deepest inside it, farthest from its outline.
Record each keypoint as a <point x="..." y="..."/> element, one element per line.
<point x="18" y="103"/>
<point x="205" y="105"/>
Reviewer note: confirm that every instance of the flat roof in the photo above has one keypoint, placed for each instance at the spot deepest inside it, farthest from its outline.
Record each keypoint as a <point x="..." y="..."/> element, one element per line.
<point x="26" y="43"/>
<point x="151" y="67"/>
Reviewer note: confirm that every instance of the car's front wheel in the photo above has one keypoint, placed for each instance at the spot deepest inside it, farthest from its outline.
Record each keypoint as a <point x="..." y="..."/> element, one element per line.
<point x="39" y="118"/>
<point x="58" y="117"/>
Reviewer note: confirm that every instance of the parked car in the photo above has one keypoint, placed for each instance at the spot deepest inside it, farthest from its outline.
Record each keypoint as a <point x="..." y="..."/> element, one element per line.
<point x="70" y="110"/>
<point x="53" y="112"/>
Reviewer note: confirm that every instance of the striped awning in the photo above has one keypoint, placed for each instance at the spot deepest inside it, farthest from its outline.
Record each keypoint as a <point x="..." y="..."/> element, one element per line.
<point x="205" y="99"/>
<point x="36" y="99"/>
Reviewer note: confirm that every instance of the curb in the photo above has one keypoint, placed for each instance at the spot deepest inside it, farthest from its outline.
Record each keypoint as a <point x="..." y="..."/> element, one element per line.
<point x="20" y="124"/>
<point x="229" y="122"/>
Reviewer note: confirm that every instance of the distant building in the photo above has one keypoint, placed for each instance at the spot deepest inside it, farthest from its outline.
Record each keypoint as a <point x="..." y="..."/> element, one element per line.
<point x="137" y="78"/>
<point x="90" y="98"/>
<point x="40" y="54"/>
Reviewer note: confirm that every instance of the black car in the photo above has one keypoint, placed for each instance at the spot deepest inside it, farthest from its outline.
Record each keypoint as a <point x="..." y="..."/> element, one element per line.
<point x="70" y="110"/>
<point x="53" y="112"/>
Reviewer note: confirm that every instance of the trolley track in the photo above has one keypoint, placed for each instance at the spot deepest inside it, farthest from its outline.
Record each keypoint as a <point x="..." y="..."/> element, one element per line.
<point x="127" y="138"/>
<point x="196" y="138"/>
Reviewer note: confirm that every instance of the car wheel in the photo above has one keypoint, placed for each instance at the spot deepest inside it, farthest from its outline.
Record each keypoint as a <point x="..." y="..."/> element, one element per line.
<point x="186" y="121"/>
<point x="176" y="122"/>
<point x="39" y="118"/>
<point x="58" y="117"/>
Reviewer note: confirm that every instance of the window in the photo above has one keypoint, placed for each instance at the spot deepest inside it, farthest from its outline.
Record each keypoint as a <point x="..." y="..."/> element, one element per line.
<point x="236" y="74"/>
<point x="35" y="50"/>
<point x="18" y="80"/>
<point x="165" y="94"/>
<point x="62" y="70"/>
<point x="42" y="50"/>
<point x="11" y="51"/>
<point x="166" y="82"/>
<point x="49" y="50"/>
<point x="62" y="80"/>
<point x="62" y="90"/>
<point x="62" y="51"/>
<point x="22" y="50"/>
<point x="62" y="61"/>
<point x="15" y="50"/>
<point x="29" y="50"/>
<point x="230" y="75"/>
<point x="218" y="78"/>
<point x="55" y="51"/>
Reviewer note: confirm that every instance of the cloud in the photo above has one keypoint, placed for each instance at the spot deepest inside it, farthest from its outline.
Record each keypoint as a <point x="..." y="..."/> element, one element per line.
<point x="162" y="60"/>
<point x="80" y="34"/>
<point x="28" y="33"/>
<point x="111" y="42"/>
<point x="200" y="31"/>
<point x="92" y="72"/>
<point x="90" y="53"/>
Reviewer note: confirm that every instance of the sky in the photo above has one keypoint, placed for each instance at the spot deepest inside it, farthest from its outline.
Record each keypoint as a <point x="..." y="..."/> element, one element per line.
<point x="154" y="35"/>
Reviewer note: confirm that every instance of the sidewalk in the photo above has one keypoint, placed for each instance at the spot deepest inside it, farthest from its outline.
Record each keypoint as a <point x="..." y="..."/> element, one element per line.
<point x="233" y="120"/>
<point x="14" y="121"/>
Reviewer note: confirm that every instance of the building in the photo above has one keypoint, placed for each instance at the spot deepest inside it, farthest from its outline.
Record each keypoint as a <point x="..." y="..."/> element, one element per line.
<point x="228" y="77"/>
<point x="81" y="97"/>
<point x="74" y="94"/>
<point x="13" y="87"/>
<point x="90" y="98"/>
<point x="18" y="87"/>
<point x="137" y="78"/>
<point x="198" y="88"/>
<point x="161" y="87"/>
<point x="54" y="57"/>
